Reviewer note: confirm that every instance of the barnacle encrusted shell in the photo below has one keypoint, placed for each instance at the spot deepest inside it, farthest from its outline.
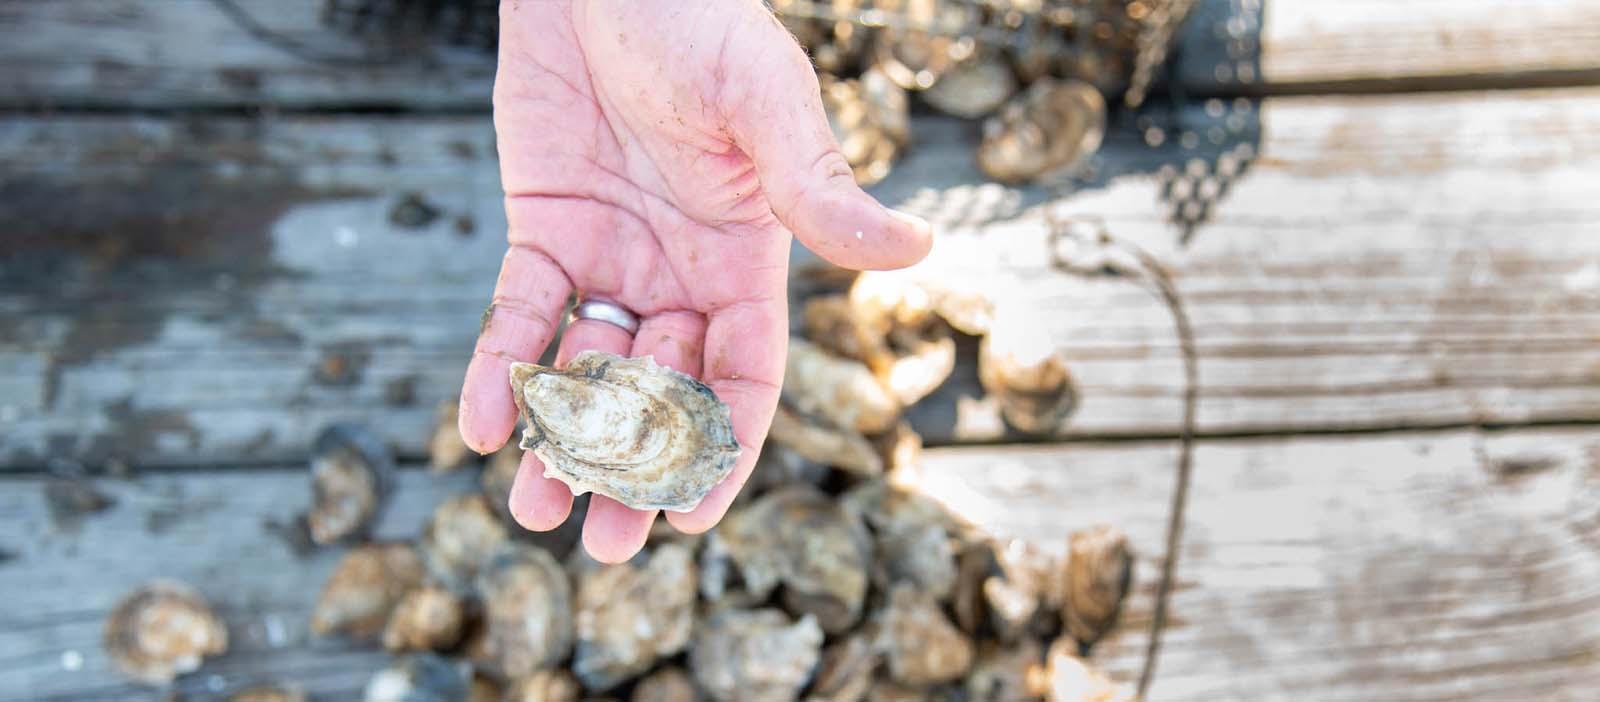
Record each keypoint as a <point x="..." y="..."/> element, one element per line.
<point x="528" y="610"/>
<point x="920" y="644"/>
<point x="1052" y="126"/>
<point x="351" y="469"/>
<point x="364" y="588"/>
<point x="640" y="433"/>
<point x="460" y="537"/>
<point x="1098" y="574"/>
<point x="161" y="630"/>
<point x="799" y="538"/>
<point x="427" y="618"/>
<point x="423" y="677"/>
<point x="754" y="656"/>
<point x="629" y="617"/>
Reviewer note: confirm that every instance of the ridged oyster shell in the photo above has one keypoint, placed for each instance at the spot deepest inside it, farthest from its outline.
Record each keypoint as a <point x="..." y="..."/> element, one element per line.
<point x="642" y="434"/>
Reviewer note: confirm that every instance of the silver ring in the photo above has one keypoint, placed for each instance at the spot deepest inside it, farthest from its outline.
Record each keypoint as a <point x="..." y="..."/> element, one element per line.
<point x="608" y="312"/>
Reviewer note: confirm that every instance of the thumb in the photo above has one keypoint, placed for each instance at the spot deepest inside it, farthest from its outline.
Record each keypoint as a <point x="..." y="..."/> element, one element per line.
<point x="774" y="110"/>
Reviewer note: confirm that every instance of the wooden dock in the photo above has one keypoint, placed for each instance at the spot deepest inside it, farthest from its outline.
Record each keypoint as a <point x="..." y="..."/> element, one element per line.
<point x="1396" y="304"/>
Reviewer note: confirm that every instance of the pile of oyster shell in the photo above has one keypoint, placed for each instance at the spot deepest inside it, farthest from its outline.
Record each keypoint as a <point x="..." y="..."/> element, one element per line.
<point x="1037" y="72"/>
<point x="830" y="580"/>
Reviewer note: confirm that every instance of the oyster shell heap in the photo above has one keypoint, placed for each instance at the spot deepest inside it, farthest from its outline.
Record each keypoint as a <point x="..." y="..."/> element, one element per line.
<point x="364" y="588"/>
<point x="528" y="610"/>
<point x="629" y="617"/>
<point x="627" y="428"/>
<point x="754" y="655"/>
<point x="162" y="630"/>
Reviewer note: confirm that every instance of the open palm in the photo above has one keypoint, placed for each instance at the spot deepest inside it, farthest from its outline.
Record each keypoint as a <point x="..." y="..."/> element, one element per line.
<point x="660" y="155"/>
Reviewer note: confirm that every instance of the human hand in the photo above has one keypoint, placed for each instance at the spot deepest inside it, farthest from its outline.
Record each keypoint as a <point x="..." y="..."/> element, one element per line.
<point x="659" y="155"/>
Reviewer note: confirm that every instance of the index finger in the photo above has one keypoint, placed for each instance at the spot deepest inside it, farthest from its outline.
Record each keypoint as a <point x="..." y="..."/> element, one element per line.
<point x="528" y="301"/>
<point x="745" y="348"/>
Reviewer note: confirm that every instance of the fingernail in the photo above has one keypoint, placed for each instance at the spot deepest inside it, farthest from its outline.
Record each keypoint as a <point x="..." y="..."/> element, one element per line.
<point x="918" y="224"/>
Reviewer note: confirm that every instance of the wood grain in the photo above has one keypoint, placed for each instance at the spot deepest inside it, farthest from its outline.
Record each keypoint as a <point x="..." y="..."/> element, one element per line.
<point x="1449" y="565"/>
<point x="212" y="290"/>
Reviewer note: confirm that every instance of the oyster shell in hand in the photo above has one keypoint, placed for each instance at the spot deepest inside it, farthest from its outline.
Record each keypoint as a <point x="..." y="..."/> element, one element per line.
<point x="640" y="433"/>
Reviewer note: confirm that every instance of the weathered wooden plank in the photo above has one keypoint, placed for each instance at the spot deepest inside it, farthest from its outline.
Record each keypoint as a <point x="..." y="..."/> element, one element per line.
<point x="212" y="529"/>
<point x="214" y="290"/>
<point x="1426" y="566"/>
<point x="174" y="54"/>
<point x="1284" y="46"/>
<point x="1437" y="566"/>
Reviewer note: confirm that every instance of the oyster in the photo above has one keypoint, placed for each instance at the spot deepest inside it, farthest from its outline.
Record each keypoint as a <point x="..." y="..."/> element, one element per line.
<point x="545" y="686"/>
<point x="1028" y="376"/>
<point x="818" y="441"/>
<point x="915" y="58"/>
<point x="528" y="610"/>
<point x="1098" y="574"/>
<point x="351" y="471"/>
<point x="642" y="434"/>
<point x="629" y="617"/>
<point x="754" y="656"/>
<point x="973" y="88"/>
<point x="801" y="539"/>
<point x="665" y="685"/>
<point x="869" y="118"/>
<point x="364" y="588"/>
<point x="162" y="630"/>
<point x="424" y="677"/>
<point x="1002" y="674"/>
<point x="846" y="671"/>
<point x="460" y="537"/>
<point x="921" y="646"/>
<point x="923" y="359"/>
<point x="268" y="693"/>
<point x="840" y="390"/>
<point x="427" y="618"/>
<point x="837" y="325"/>
<point x="446" y="449"/>
<point x="911" y="297"/>
<point x="1025" y="596"/>
<point x="498" y="475"/>
<point x="975" y="563"/>
<point x="1052" y="126"/>
<point x="1068" y="678"/>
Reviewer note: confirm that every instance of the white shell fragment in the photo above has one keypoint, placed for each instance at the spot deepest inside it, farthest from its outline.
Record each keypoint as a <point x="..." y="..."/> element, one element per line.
<point x="640" y="433"/>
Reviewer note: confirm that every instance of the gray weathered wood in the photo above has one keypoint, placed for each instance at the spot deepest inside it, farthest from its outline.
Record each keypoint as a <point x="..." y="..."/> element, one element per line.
<point x="1385" y="262"/>
<point x="1424" y="566"/>
<point x="1433" y="566"/>
<point x="1281" y="46"/>
<point x="171" y="54"/>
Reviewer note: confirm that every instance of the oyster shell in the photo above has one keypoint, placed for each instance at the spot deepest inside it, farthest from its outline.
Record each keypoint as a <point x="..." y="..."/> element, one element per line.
<point x="1098" y="574"/>
<point x="754" y="656"/>
<point x="351" y="471"/>
<point x="498" y="475"/>
<point x="162" y="630"/>
<point x="799" y="538"/>
<point x="819" y="441"/>
<point x="427" y="618"/>
<point x="1025" y="597"/>
<point x="528" y="610"/>
<point x="870" y="119"/>
<point x="921" y="646"/>
<point x="665" y="685"/>
<point x="1069" y="678"/>
<point x="461" y="536"/>
<point x="1028" y="377"/>
<point x="973" y="88"/>
<point x="1053" y="126"/>
<point x="364" y="588"/>
<point x="846" y="671"/>
<point x="627" y="428"/>
<point x="629" y="617"/>
<point x="268" y="693"/>
<point x="1002" y="673"/>
<point x="446" y="449"/>
<point x="910" y="297"/>
<point x="916" y="58"/>
<point x="545" y="686"/>
<point x="841" y="390"/>
<point x="837" y="325"/>
<point x="924" y="358"/>
<point x="424" y="677"/>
